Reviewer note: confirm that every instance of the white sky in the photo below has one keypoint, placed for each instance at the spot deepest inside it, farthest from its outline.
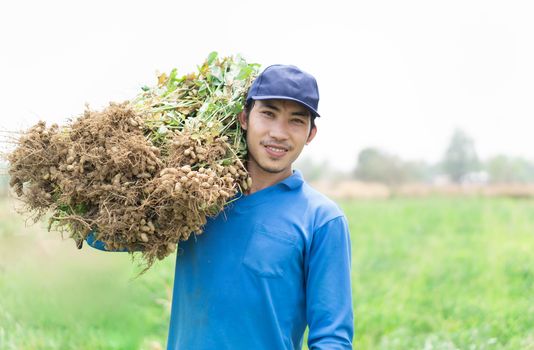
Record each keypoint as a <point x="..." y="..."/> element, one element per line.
<point x="399" y="75"/>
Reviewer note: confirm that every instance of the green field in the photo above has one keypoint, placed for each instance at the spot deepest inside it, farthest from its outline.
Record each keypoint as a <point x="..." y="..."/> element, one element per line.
<point x="433" y="273"/>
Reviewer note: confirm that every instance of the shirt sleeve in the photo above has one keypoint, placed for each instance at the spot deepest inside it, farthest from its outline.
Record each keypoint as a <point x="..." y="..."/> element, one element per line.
<point x="93" y="242"/>
<point x="328" y="288"/>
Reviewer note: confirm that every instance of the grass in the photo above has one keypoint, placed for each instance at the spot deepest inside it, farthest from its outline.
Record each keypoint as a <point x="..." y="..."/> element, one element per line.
<point x="54" y="296"/>
<point x="443" y="273"/>
<point x="431" y="273"/>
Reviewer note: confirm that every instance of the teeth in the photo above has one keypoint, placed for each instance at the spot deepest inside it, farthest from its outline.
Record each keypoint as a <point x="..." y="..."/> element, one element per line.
<point x="276" y="149"/>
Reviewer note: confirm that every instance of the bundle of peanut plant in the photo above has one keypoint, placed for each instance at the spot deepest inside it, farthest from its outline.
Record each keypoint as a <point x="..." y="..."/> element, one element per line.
<point x="143" y="174"/>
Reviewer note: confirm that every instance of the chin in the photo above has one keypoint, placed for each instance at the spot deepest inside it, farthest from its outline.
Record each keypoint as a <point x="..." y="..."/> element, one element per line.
<point x="270" y="166"/>
<point x="273" y="170"/>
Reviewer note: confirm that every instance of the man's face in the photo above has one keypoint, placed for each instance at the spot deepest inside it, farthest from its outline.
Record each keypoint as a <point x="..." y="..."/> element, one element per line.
<point x="277" y="131"/>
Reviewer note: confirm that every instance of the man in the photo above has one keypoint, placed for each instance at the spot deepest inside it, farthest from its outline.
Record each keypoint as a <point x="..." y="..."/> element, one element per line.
<point x="278" y="257"/>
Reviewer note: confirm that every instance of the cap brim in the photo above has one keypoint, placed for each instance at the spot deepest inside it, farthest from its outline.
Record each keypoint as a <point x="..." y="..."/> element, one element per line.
<point x="314" y="112"/>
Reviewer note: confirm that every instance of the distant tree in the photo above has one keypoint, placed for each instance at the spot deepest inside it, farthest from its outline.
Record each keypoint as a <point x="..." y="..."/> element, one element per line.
<point x="314" y="170"/>
<point x="506" y="169"/>
<point x="419" y="171"/>
<point x="460" y="157"/>
<point x="311" y="170"/>
<point x="374" y="165"/>
<point x="379" y="166"/>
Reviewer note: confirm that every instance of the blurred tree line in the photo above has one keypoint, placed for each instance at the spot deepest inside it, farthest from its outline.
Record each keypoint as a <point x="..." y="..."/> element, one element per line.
<point x="459" y="164"/>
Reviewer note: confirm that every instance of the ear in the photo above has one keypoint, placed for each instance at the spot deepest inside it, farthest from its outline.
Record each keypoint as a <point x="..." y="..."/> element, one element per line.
<point x="313" y="131"/>
<point x="242" y="120"/>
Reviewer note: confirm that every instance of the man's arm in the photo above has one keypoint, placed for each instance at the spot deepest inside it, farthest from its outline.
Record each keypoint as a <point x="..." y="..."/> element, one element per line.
<point x="328" y="288"/>
<point x="95" y="243"/>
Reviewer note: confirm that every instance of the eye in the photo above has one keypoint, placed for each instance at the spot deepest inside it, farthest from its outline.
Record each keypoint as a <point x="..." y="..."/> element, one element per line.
<point x="298" y="121"/>
<point x="268" y="113"/>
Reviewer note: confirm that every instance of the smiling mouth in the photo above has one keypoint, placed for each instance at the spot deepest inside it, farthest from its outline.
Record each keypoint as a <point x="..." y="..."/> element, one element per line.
<point x="276" y="150"/>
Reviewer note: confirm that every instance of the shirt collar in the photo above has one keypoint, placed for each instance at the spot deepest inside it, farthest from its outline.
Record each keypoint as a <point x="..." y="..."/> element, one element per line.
<point x="294" y="181"/>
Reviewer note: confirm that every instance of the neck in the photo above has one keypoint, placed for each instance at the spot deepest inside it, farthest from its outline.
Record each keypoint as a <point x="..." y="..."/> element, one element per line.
<point x="262" y="179"/>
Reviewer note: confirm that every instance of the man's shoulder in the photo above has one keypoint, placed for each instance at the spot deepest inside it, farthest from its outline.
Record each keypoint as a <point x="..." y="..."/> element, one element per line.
<point x="317" y="202"/>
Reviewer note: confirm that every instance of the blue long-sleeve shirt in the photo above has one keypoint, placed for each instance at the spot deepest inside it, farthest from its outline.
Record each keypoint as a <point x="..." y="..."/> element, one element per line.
<point x="270" y="264"/>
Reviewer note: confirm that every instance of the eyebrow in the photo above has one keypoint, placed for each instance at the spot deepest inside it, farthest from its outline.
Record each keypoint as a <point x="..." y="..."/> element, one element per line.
<point x="271" y="106"/>
<point x="303" y="112"/>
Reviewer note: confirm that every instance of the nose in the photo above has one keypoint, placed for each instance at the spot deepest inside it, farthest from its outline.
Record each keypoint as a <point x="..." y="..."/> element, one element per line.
<point x="278" y="130"/>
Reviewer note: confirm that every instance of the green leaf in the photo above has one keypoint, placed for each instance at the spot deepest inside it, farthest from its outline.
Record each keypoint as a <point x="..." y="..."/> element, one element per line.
<point x="80" y="209"/>
<point x="171" y="83"/>
<point x="211" y="57"/>
<point x="237" y="108"/>
<point x="244" y="73"/>
<point x="217" y="73"/>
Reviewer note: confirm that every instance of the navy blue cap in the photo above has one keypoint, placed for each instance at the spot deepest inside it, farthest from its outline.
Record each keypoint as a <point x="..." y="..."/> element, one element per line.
<point x="287" y="83"/>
